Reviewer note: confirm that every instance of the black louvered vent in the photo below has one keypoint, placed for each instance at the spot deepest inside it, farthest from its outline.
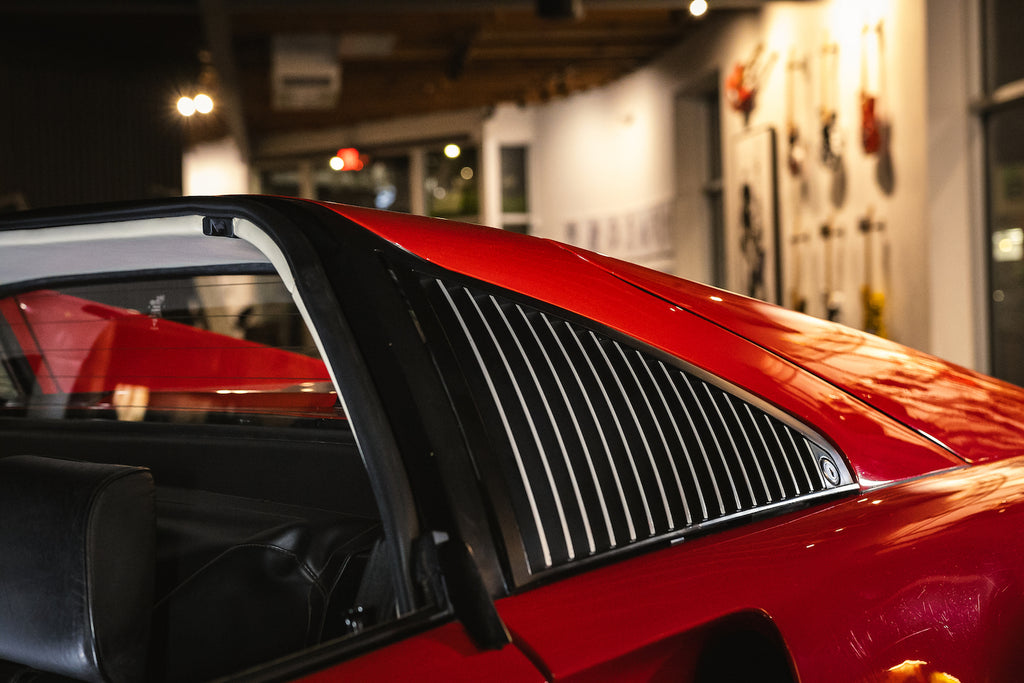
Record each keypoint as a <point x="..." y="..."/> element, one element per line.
<point x="611" y="446"/>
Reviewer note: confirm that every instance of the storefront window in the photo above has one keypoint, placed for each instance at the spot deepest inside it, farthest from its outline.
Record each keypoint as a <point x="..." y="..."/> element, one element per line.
<point x="513" y="180"/>
<point x="451" y="185"/>
<point x="1004" y="139"/>
<point x="383" y="183"/>
<point x="1006" y="238"/>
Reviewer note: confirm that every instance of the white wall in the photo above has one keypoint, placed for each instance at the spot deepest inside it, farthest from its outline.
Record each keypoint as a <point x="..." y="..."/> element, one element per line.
<point x="606" y="168"/>
<point x="956" y="240"/>
<point x="214" y="168"/>
<point x="605" y="158"/>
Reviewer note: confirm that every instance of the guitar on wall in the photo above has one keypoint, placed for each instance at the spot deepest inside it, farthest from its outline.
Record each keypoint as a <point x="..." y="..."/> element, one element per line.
<point x="872" y="300"/>
<point x="870" y="130"/>
<point x="831" y="138"/>
<point x="833" y="298"/>
<point x="745" y="79"/>
<point x="796" y="153"/>
<point x="832" y="144"/>
<point x="876" y="125"/>
<point x="795" y="156"/>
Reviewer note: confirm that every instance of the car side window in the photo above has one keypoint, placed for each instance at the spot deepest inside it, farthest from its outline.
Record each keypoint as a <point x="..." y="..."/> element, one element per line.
<point x="605" y="444"/>
<point x="190" y="360"/>
<point x="226" y="348"/>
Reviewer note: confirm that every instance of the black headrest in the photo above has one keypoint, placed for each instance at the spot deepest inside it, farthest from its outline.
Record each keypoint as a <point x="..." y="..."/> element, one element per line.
<point x="76" y="566"/>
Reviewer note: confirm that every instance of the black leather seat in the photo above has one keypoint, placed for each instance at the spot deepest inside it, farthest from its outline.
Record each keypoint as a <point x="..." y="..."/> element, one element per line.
<point x="76" y="569"/>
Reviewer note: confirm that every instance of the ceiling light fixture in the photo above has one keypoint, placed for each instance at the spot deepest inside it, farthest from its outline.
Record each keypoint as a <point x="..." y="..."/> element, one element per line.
<point x="204" y="103"/>
<point x="186" y="106"/>
<point x="698" y="7"/>
<point x="201" y="103"/>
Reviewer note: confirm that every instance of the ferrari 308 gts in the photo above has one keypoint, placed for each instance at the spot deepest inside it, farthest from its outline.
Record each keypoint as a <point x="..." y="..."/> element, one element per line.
<point x="272" y="439"/>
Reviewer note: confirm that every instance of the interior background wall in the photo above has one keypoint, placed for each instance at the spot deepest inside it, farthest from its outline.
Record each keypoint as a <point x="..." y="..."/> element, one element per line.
<point x="605" y="161"/>
<point x="617" y="169"/>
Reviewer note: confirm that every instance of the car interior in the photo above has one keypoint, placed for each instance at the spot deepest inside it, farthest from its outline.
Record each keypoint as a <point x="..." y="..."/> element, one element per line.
<point x="181" y="494"/>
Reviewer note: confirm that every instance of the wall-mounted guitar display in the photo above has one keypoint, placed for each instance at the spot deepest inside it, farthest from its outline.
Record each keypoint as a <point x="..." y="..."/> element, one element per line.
<point x="870" y="133"/>
<point x="796" y="152"/>
<point x="796" y="155"/>
<point x="744" y="81"/>
<point x="876" y="124"/>
<point x="831" y="138"/>
<point x="817" y="82"/>
<point x="872" y="299"/>
<point x="831" y="135"/>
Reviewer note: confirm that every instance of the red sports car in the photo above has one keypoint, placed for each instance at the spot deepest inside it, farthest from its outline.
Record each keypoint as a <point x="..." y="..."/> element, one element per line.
<point x="271" y="439"/>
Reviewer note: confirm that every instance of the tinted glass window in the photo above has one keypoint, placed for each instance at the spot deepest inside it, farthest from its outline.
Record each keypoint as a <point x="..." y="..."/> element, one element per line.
<point x="450" y="186"/>
<point x="209" y="349"/>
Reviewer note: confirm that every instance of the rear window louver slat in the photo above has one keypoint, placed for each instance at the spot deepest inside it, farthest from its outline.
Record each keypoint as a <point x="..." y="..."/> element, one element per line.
<point x="610" y="445"/>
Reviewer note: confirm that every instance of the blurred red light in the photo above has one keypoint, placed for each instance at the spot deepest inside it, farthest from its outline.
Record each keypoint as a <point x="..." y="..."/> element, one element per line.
<point x="351" y="159"/>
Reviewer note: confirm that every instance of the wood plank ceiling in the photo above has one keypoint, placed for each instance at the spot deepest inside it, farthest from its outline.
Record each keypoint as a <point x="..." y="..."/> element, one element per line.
<point x="348" y="62"/>
<point x="403" y="57"/>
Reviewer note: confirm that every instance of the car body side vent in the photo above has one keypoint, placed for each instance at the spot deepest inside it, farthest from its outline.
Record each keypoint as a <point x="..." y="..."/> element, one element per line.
<point x="610" y="445"/>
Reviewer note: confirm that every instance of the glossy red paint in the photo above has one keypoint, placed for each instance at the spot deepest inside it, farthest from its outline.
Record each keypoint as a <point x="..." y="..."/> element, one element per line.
<point x="978" y="417"/>
<point x="880" y="450"/>
<point x="928" y="571"/>
<point x="443" y="655"/>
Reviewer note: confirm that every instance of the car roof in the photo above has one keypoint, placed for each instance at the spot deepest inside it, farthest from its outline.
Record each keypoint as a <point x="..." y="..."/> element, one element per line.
<point x="976" y="417"/>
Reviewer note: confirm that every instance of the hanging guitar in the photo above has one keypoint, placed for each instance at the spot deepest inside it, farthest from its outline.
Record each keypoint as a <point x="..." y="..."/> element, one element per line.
<point x="796" y="153"/>
<point x="876" y="128"/>
<point x="833" y="298"/>
<point x="870" y="136"/>
<point x="831" y="138"/>
<point x="831" y="135"/>
<point x="872" y="300"/>
<point x="795" y="157"/>
<point x="744" y="81"/>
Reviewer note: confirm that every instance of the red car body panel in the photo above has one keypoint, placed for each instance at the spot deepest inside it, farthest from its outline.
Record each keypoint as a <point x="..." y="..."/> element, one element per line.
<point x="915" y="572"/>
<point x="880" y="450"/>
<point x="978" y="417"/>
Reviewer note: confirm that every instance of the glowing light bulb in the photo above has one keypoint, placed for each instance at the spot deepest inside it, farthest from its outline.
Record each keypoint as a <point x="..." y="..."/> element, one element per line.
<point x="203" y="103"/>
<point x="186" y="106"/>
<point x="698" y="8"/>
<point x="337" y="163"/>
<point x="452" y="151"/>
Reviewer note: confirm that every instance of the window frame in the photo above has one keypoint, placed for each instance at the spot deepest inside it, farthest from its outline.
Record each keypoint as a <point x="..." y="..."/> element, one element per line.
<point x="284" y="241"/>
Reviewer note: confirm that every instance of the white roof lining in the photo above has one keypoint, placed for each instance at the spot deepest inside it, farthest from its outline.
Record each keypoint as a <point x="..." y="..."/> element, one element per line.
<point x="115" y="247"/>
